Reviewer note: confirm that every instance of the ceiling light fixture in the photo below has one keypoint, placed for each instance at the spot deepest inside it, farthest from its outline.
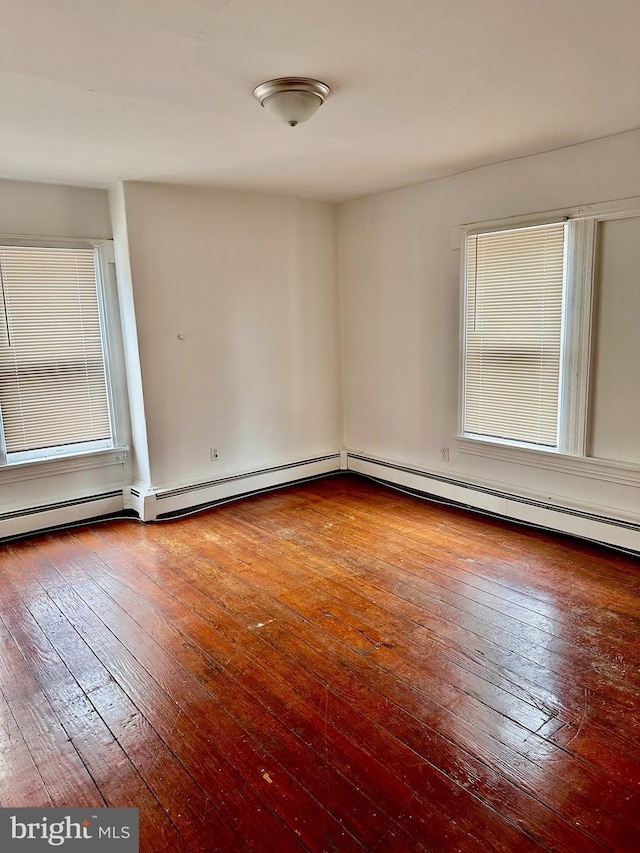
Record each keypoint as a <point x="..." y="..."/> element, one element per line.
<point x="292" y="99"/>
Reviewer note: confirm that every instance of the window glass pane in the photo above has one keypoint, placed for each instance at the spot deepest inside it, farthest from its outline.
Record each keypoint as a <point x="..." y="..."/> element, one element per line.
<point x="513" y="333"/>
<point x="52" y="374"/>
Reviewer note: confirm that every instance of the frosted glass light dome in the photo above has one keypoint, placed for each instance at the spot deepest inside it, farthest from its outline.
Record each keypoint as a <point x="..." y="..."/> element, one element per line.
<point x="292" y="99"/>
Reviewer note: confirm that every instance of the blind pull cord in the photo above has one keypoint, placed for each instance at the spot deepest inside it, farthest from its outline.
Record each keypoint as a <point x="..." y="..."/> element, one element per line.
<point x="475" y="286"/>
<point x="4" y="307"/>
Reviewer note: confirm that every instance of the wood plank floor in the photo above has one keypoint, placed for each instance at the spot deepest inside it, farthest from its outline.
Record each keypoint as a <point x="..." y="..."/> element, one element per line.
<point x="332" y="667"/>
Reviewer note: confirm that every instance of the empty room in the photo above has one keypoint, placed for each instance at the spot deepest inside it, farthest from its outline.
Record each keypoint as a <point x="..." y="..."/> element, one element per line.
<point x="320" y="426"/>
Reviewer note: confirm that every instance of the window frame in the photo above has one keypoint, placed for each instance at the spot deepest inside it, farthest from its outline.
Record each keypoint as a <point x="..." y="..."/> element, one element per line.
<point x="101" y="452"/>
<point x="576" y="355"/>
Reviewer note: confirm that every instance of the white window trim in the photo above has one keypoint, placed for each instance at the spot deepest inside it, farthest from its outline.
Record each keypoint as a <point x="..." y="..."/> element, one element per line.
<point x="87" y="454"/>
<point x="613" y="471"/>
<point x="576" y="359"/>
<point x="34" y="469"/>
<point x="576" y="338"/>
<point x="112" y="342"/>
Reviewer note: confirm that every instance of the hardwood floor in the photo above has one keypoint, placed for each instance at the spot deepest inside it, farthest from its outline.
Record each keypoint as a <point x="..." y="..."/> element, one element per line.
<point x="332" y="667"/>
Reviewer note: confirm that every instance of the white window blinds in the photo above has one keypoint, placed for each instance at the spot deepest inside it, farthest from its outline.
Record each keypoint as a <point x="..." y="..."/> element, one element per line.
<point x="52" y="375"/>
<point x="513" y="333"/>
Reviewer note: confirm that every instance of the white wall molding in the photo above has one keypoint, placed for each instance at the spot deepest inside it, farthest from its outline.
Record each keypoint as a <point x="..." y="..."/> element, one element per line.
<point x="605" y="525"/>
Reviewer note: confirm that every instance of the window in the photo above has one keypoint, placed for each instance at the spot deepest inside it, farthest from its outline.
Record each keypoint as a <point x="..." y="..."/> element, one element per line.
<point x="526" y="315"/>
<point x="55" y="391"/>
<point x="513" y="333"/>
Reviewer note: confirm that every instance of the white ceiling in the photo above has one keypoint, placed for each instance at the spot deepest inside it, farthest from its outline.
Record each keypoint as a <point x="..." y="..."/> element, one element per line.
<point x="96" y="91"/>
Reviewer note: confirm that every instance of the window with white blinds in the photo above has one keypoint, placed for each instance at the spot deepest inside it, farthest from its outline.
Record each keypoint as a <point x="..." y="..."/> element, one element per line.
<point x="53" y="389"/>
<point x="513" y="334"/>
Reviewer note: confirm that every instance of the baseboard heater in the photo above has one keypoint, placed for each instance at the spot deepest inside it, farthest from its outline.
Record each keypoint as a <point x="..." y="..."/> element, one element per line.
<point x="172" y="502"/>
<point x="51" y="516"/>
<point x="592" y="526"/>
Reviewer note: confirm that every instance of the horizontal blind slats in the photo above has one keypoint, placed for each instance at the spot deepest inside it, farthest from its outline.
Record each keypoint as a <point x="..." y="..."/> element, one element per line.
<point x="52" y="373"/>
<point x="513" y="332"/>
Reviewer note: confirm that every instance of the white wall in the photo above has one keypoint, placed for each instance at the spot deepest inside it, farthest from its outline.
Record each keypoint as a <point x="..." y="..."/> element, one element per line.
<point x="43" y="210"/>
<point x="48" y="210"/>
<point x="237" y="314"/>
<point x="400" y="296"/>
<point x="238" y="337"/>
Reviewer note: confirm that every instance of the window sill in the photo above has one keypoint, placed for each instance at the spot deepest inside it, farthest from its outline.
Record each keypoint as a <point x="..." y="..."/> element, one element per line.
<point x="612" y="471"/>
<point x="35" y="468"/>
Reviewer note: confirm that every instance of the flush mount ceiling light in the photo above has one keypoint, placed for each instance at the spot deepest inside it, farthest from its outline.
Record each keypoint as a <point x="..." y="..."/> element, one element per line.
<point x="292" y="99"/>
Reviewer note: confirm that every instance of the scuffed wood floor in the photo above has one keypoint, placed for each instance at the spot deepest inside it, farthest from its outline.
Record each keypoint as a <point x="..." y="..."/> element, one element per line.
<point x="332" y="667"/>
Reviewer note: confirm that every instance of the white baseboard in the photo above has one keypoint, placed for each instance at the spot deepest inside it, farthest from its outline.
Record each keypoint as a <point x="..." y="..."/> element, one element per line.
<point x="597" y="524"/>
<point x="150" y="504"/>
<point x="161" y="503"/>
<point x="31" y="519"/>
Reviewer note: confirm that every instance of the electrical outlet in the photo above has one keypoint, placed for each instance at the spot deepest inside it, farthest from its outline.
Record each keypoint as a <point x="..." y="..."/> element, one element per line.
<point x="444" y="453"/>
<point x="214" y="454"/>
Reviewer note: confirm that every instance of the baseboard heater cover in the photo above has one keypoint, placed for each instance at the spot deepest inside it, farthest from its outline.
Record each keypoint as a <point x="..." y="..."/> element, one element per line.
<point x="172" y="502"/>
<point x="59" y="514"/>
<point x="590" y="526"/>
<point x="182" y="513"/>
<point x="196" y="487"/>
